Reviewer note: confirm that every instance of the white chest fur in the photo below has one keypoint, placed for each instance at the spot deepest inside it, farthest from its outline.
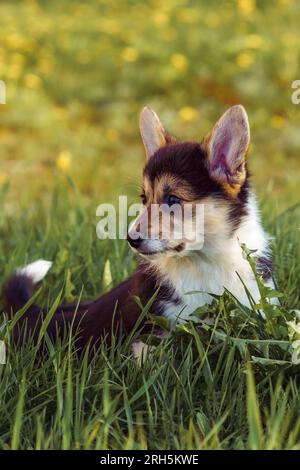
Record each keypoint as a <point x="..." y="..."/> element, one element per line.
<point x="196" y="279"/>
<point x="219" y="265"/>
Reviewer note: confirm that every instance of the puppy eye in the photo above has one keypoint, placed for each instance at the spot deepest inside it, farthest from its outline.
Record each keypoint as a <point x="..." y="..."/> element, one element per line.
<point x="171" y="199"/>
<point x="143" y="198"/>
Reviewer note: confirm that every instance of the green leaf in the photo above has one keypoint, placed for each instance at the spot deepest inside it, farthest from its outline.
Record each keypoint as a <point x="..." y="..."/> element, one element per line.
<point x="255" y="436"/>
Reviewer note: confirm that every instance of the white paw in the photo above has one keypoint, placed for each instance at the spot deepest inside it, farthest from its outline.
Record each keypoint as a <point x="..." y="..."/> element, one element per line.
<point x="36" y="271"/>
<point x="141" y="351"/>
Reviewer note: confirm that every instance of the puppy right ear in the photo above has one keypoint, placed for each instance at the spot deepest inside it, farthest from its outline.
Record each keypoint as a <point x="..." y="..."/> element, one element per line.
<point x="226" y="148"/>
<point x="152" y="131"/>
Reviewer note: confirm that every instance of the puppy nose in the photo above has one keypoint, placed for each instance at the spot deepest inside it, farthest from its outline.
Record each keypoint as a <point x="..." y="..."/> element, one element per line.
<point x="134" y="242"/>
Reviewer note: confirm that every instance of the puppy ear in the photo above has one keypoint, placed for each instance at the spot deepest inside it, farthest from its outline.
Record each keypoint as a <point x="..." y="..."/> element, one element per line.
<point x="152" y="131"/>
<point x="226" y="148"/>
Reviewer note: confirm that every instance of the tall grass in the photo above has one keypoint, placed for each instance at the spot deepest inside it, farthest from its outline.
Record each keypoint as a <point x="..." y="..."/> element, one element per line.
<point x="77" y="75"/>
<point x="230" y="385"/>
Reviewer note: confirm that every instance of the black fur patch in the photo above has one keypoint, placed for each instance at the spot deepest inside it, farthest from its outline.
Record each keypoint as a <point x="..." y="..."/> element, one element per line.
<point x="187" y="162"/>
<point x="265" y="267"/>
<point x="17" y="292"/>
<point x="150" y="282"/>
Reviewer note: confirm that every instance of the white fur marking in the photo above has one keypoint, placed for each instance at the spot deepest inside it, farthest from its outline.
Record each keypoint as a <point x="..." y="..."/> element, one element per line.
<point x="36" y="271"/>
<point x="141" y="351"/>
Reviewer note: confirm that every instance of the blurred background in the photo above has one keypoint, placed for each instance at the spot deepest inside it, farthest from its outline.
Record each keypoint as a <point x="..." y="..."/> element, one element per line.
<point x="78" y="73"/>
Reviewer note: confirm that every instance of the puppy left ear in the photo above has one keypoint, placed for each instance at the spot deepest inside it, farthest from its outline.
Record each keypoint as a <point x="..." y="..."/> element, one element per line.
<point x="226" y="148"/>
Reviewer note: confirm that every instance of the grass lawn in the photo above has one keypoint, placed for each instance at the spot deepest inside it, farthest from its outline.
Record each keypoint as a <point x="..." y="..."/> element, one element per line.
<point x="77" y="75"/>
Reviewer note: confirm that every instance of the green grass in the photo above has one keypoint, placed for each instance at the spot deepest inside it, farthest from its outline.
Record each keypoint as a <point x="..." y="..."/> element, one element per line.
<point x="77" y="75"/>
<point x="231" y="385"/>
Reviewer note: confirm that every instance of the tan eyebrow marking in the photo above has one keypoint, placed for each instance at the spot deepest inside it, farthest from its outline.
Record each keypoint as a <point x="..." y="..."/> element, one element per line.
<point x="176" y="186"/>
<point x="147" y="188"/>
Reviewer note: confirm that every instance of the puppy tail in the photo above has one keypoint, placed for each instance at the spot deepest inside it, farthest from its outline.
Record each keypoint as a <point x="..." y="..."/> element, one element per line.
<point x="89" y="322"/>
<point x="17" y="293"/>
<point x="19" y="287"/>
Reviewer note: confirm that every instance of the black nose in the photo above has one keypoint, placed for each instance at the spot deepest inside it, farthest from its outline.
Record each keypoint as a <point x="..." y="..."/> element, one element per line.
<point x="134" y="242"/>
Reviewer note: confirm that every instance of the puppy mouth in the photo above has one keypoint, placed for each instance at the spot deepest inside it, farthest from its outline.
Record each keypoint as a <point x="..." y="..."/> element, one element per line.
<point x="152" y="254"/>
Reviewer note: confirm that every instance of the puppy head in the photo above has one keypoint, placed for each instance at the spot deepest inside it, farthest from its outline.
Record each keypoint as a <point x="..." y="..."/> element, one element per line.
<point x="194" y="194"/>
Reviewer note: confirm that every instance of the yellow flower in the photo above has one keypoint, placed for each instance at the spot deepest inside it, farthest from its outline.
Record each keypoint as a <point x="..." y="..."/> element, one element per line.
<point x="60" y="112"/>
<point x="254" y="41"/>
<point x="14" y="71"/>
<point x="32" y="4"/>
<point x="3" y="177"/>
<point x="245" y="60"/>
<point x="188" y="114"/>
<point x="187" y="15"/>
<point x="4" y="134"/>
<point x="160" y="18"/>
<point x="32" y="81"/>
<point x="179" y="61"/>
<point x="277" y="121"/>
<point x="247" y="6"/>
<point x="285" y="3"/>
<point x="64" y="161"/>
<point x="129" y="54"/>
<point x="108" y="26"/>
<point x="15" y="40"/>
<point x="45" y="65"/>
<point x="112" y="135"/>
<point x="18" y="59"/>
<point x="212" y="19"/>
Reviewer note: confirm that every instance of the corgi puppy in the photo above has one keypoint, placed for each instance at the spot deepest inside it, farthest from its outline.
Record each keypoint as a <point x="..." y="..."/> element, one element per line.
<point x="185" y="270"/>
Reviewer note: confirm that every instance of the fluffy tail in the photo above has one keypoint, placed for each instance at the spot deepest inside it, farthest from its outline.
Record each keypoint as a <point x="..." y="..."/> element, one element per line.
<point x="19" y="288"/>
<point x="92" y="321"/>
<point x="17" y="293"/>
